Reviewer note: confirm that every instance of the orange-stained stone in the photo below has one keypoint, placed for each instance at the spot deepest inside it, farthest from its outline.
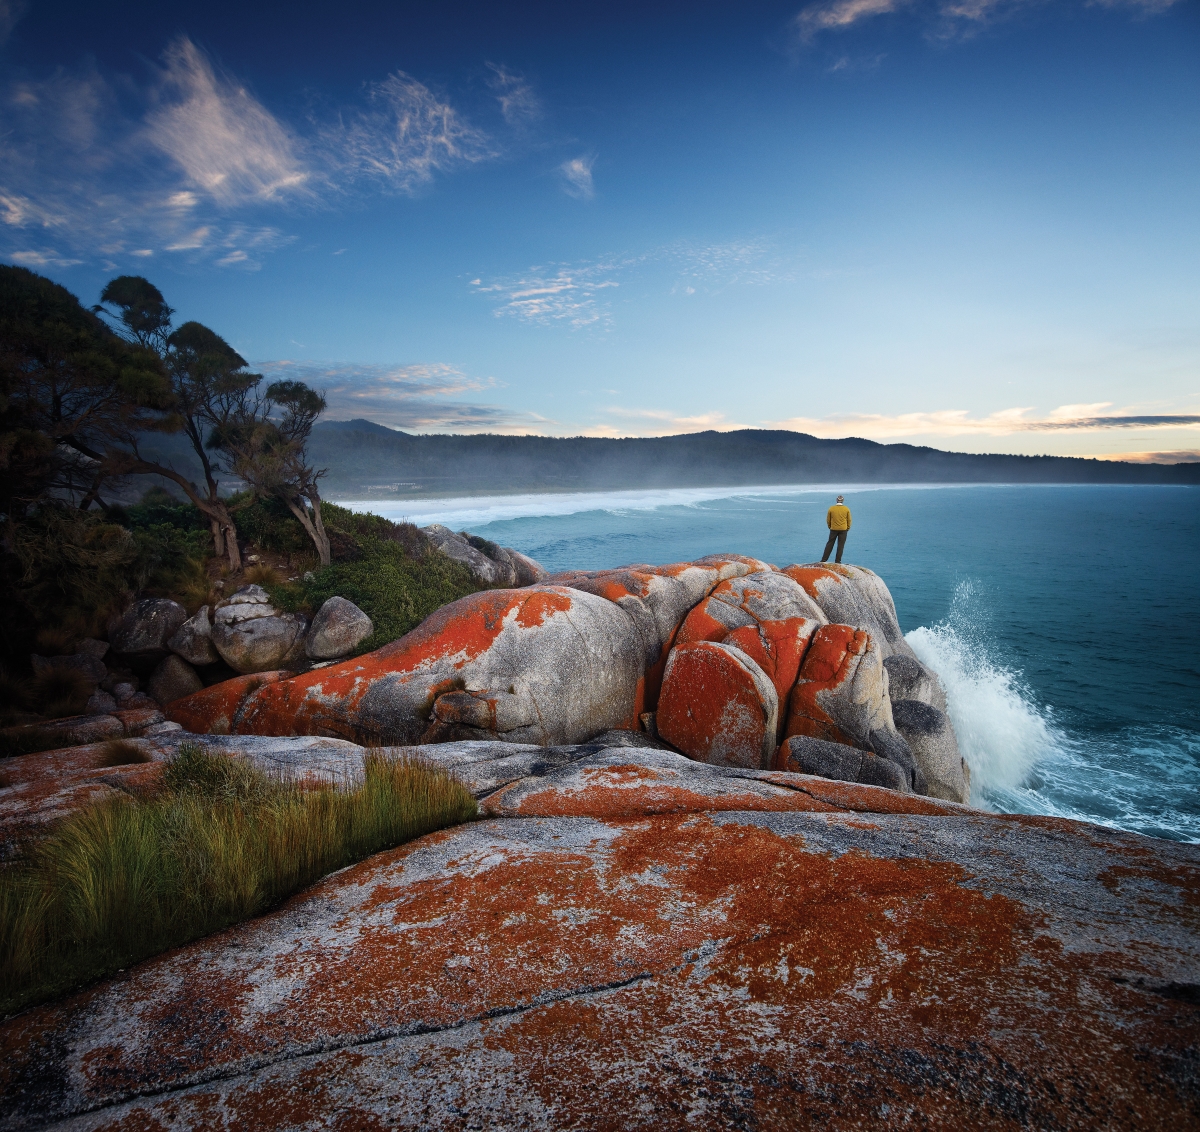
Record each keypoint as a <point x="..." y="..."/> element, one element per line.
<point x="718" y="706"/>
<point x="827" y="665"/>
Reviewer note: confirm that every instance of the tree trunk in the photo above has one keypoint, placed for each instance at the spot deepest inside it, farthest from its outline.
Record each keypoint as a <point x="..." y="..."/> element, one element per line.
<point x="216" y="511"/>
<point x="316" y="531"/>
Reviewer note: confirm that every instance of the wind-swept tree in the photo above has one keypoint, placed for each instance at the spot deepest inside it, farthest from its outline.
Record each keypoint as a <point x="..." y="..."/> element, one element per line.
<point x="264" y="439"/>
<point x="71" y="393"/>
<point x="206" y="375"/>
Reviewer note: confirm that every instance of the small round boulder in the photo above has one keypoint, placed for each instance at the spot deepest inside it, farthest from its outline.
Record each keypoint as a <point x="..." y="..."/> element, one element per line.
<point x="338" y="628"/>
<point x="173" y="679"/>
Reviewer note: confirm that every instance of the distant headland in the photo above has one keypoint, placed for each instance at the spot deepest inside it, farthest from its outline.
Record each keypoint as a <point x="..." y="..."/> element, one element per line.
<point x="368" y="460"/>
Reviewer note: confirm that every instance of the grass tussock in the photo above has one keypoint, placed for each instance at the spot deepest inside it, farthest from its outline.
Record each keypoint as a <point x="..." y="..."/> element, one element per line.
<point x="121" y="752"/>
<point x="29" y="741"/>
<point x="220" y="842"/>
<point x="262" y="575"/>
<point x="60" y="692"/>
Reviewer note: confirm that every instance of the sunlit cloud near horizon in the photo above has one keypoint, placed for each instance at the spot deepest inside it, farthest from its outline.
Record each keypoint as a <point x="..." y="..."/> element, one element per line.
<point x="967" y="225"/>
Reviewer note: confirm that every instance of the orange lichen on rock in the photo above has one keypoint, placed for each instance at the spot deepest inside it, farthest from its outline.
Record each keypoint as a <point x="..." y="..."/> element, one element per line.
<point x="828" y="664"/>
<point x="718" y="706"/>
<point x="631" y="791"/>
<point x="766" y="970"/>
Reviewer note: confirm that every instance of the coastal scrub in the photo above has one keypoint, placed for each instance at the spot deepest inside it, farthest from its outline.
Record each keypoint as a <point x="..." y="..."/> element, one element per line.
<point x="217" y="843"/>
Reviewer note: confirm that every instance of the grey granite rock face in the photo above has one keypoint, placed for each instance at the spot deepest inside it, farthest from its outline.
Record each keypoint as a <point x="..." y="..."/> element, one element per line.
<point x="193" y="640"/>
<point x="529" y="571"/>
<point x="931" y="739"/>
<point x="261" y="641"/>
<point x="842" y="763"/>
<point x="173" y="679"/>
<point x="909" y="679"/>
<point x="456" y="547"/>
<point x="337" y="630"/>
<point x="143" y="631"/>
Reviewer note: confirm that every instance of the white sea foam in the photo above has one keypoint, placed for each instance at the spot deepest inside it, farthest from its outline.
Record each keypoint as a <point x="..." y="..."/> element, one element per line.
<point x="1001" y="731"/>
<point x="476" y="510"/>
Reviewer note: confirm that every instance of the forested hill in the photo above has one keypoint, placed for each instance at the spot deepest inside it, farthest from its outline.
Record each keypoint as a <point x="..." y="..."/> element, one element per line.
<point x="367" y="459"/>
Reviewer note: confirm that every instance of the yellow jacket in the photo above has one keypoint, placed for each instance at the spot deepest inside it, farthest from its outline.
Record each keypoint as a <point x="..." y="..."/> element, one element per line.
<point x="837" y="518"/>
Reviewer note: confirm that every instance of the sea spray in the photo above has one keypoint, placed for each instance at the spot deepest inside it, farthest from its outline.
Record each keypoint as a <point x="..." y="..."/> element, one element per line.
<point x="1001" y="732"/>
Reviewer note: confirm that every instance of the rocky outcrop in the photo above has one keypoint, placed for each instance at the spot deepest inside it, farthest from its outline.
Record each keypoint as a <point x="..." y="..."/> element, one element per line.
<point x="718" y="706"/>
<point x="633" y="937"/>
<point x="497" y="571"/>
<point x="193" y="640"/>
<point x="251" y="635"/>
<point x="140" y="635"/>
<point x="854" y="595"/>
<point x="338" y="628"/>
<point x="909" y="679"/>
<point x="724" y="657"/>
<point x="543" y="664"/>
<point x="931" y="739"/>
<point x="841" y="696"/>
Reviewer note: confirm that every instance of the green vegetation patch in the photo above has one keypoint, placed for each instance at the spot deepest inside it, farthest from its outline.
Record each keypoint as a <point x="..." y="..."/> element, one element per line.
<point x="220" y="842"/>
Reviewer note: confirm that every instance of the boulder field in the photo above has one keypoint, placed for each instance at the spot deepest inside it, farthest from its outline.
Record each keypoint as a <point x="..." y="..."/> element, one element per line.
<point x="727" y="659"/>
<point x="629" y="938"/>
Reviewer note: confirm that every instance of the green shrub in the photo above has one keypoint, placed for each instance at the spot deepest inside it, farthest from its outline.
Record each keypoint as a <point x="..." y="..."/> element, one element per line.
<point x="394" y="589"/>
<point x="129" y="877"/>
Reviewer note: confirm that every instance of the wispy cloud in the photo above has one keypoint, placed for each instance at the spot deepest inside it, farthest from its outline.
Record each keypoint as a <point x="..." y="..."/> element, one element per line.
<point x="226" y="142"/>
<point x="422" y="398"/>
<point x="942" y="19"/>
<point x="960" y="422"/>
<point x="403" y="137"/>
<point x="576" y="176"/>
<point x="82" y="178"/>
<point x="11" y="12"/>
<point x="1175" y="456"/>
<point x="518" y="102"/>
<point x="557" y="293"/>
<point x="580" y="294"/>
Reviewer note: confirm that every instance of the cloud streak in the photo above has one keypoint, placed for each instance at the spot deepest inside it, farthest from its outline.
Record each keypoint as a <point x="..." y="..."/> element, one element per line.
<point x="418" y="398"/>
<point x="959" y="422"/>
<point x="82" y="178"/>
<point x="943" y="19"/>
<point x="580" y="294"/>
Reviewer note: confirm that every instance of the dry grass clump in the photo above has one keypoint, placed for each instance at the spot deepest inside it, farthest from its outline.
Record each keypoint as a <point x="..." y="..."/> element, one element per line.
<point x="28" y="741"/>
<point x="220" y="842"/>
<point x="60" y="692"/>
<point x="260" y="574"/>
<point x="121" y="752"/>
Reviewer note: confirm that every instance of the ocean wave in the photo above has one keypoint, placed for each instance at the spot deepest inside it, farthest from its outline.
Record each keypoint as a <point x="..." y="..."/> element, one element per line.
<point x="477" y="510"/>
<point x="1023" y="760"/>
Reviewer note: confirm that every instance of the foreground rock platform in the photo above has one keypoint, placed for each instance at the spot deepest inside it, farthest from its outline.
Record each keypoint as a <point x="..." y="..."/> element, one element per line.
<point x="630" y="939"/>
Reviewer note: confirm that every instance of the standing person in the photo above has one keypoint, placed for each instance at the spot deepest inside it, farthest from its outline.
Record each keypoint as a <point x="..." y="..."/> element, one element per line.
<point x="837" y="519"/>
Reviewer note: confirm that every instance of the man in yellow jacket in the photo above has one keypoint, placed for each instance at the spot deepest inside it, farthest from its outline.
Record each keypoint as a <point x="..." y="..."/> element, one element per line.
<point x="837" y="519"/>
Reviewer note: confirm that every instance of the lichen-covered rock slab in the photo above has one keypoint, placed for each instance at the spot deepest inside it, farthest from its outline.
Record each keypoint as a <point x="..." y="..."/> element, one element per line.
<point x="543" y="664"/>
<point x="749" y="969"/>
<point x="854" y="595"/>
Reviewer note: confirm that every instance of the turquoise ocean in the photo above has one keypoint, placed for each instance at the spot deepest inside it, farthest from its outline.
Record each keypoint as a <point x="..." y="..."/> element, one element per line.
<point x="1064" y="621"/>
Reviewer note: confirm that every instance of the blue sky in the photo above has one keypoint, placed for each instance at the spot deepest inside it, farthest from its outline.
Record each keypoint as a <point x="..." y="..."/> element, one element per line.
<point x="969" y="223"/>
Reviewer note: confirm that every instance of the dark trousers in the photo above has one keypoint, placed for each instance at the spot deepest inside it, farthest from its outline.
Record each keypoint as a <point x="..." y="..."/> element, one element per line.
<point x="840" y="538"/>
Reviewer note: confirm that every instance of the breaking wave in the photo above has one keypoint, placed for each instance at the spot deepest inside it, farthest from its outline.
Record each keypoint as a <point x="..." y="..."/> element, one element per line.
<point x="1024" y="759"/>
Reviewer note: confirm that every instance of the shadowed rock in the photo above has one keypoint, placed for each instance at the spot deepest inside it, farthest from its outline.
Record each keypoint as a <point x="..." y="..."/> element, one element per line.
<point x="909" y="679"/>
<point x="193" y="640"/>
<point x="142" y="632"/>
<point x="837" y="761"/>
<point x="338" y="628"/>
<point x="173" y="679"/>
<point x="930" y="737"/>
